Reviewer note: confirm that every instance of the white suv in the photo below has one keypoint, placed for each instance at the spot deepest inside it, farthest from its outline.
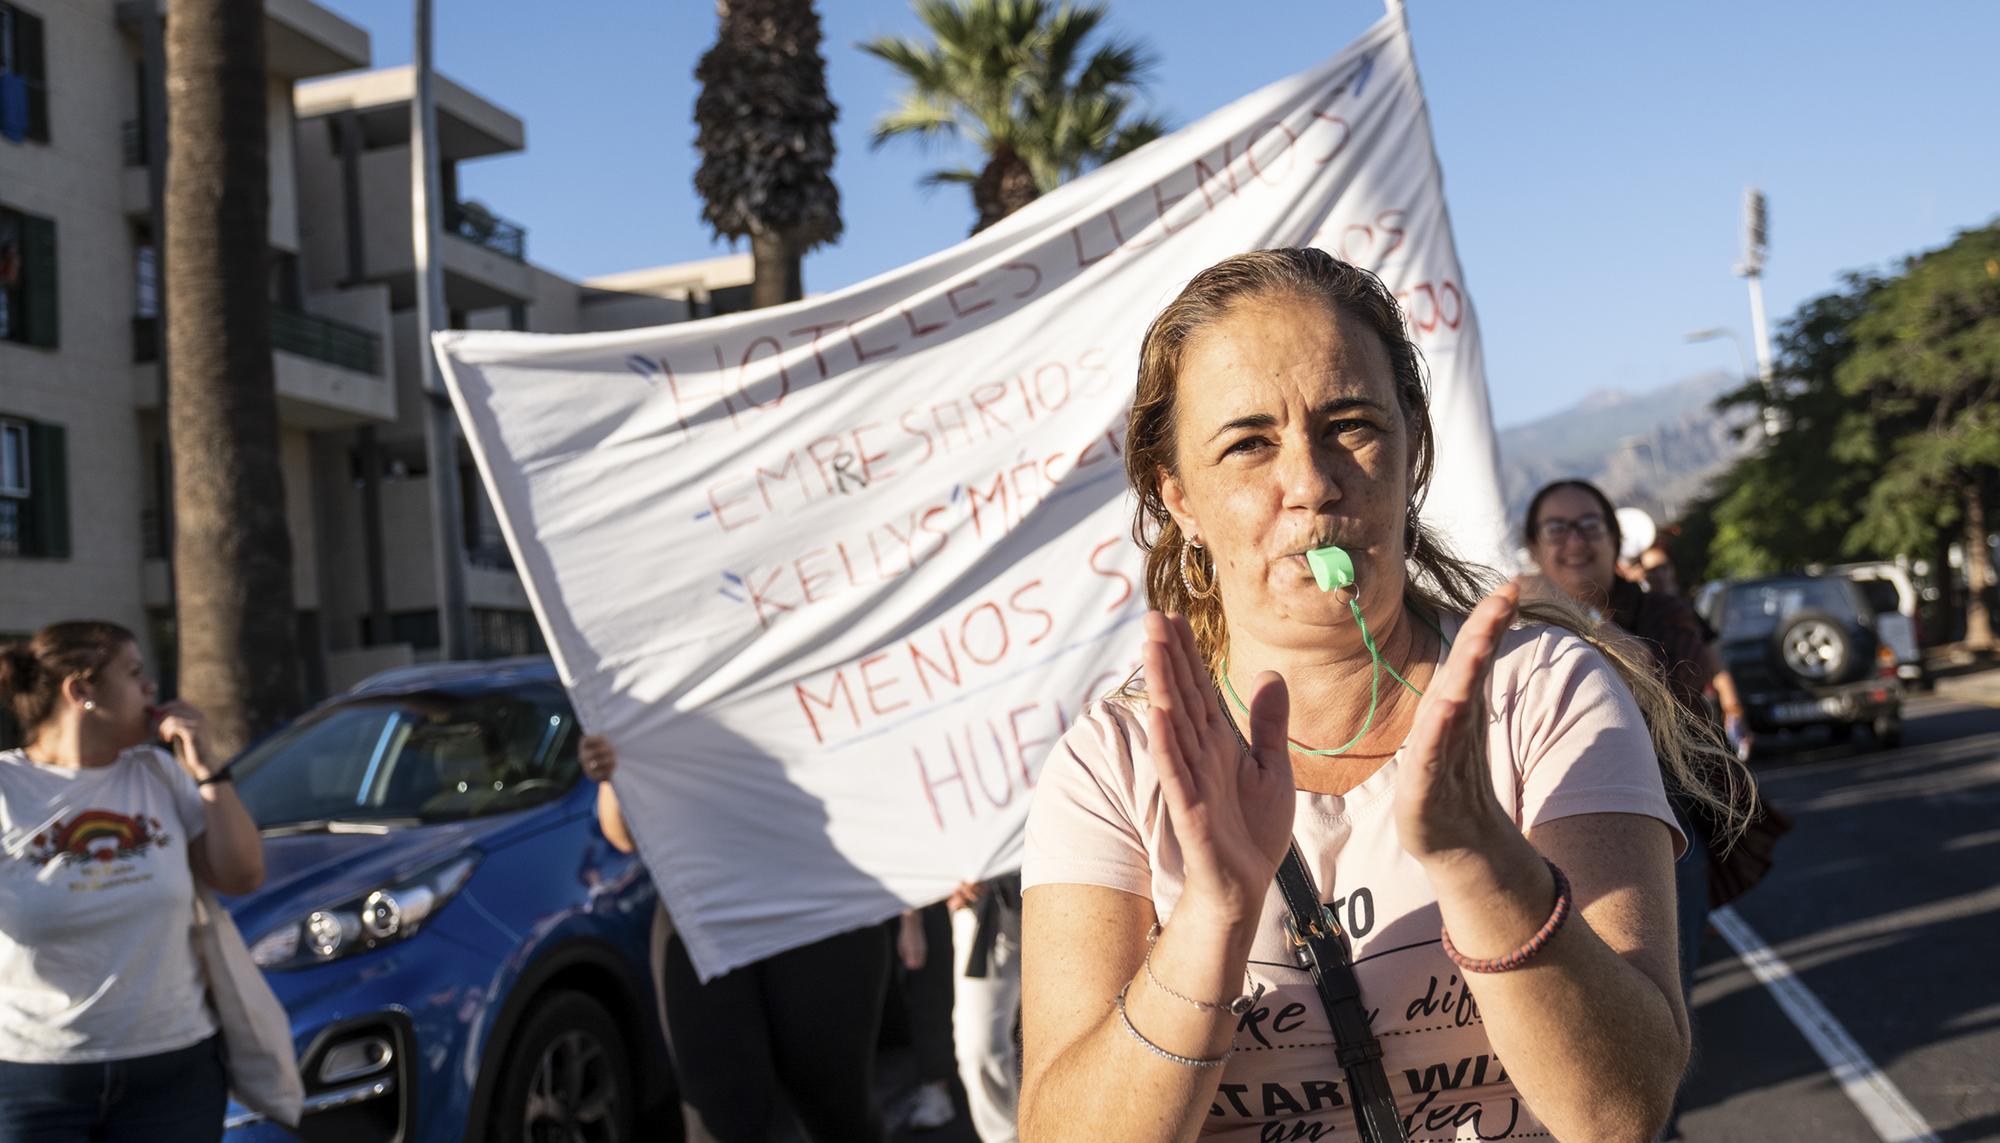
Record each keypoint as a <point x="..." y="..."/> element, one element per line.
<point x="1894" y="598"/>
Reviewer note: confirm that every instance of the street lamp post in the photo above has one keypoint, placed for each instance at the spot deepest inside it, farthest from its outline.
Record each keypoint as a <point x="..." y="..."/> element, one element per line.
<point x="1756" y="244"/>
<point x="440" y="423"/>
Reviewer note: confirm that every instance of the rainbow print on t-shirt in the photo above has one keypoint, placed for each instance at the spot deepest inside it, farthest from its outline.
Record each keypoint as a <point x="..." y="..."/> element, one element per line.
<point x="95" y="835"/>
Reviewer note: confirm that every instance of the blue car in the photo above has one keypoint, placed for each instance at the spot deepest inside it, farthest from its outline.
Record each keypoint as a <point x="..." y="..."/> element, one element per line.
<point x="462" y="953"/>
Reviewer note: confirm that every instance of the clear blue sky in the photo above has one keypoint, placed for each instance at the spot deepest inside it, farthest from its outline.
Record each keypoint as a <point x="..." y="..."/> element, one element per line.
<point x="1594" y="154"/>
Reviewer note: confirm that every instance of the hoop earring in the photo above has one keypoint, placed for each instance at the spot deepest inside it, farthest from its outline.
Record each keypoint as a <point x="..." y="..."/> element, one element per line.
<point x="1187" y="575"/>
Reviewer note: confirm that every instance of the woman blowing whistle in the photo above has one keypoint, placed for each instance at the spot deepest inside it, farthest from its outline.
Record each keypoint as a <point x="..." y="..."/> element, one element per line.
<point x="1472" y="791"/>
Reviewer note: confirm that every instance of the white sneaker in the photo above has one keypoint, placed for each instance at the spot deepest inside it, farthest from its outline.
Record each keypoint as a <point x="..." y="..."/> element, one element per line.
<point x="930" y="1107"/>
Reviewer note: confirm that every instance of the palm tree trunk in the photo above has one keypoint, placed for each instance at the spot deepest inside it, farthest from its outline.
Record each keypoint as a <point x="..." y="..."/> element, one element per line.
<point x="232" y="551"/>
<point x="1978" y="570"/>
<point x="779" y="276"/>
<point x="1004" y="186"/>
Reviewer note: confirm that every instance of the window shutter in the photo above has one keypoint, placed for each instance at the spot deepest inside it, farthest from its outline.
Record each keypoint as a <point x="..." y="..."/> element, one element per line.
<point x="38" y="280"/>
<point x="48" y="483"/>
<point x="29" y="61"/>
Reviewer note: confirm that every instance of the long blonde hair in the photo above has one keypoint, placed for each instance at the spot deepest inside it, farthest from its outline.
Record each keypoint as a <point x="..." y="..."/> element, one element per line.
<point x="1692" y="760"/>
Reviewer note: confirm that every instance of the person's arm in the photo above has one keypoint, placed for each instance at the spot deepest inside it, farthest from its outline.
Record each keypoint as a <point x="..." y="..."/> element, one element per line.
<point x="1085" y="1074"/>
<point x="599" y="759"/>
<point x="1726" y="695"/>
<point x="228" y="856"/>
<point x="1593" y="1028"/>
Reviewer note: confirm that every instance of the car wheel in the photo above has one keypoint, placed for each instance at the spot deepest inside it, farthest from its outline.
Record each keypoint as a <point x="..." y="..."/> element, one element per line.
<point x="1816" y="649"/>
<point x="568" y="1078"/>
<point x="1888" y="731"/>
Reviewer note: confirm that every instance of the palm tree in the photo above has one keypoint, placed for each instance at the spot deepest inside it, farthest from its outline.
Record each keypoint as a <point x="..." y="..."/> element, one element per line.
<point x="232" y="552"/>
<point x="1015" y="76"/>
<point x="765" y="131"/>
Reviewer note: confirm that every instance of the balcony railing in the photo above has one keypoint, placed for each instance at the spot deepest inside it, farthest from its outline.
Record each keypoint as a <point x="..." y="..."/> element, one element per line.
<point x="134" y="137"/>
<point x="321" y="339"/>
<point x="307" y="335"/>
<point x="476" y="224"/>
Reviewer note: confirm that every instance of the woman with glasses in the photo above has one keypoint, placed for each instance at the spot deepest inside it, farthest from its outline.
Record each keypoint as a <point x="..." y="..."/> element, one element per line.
<point x="1573" y="537"/>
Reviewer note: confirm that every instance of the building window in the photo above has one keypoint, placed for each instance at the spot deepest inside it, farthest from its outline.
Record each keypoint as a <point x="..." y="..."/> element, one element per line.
<point x="24" y="83"/>
<point x="27" y="279"/>
<point x="500" y="634"/>
<point x="417" y="628"/>
<point x="34" y="490"/>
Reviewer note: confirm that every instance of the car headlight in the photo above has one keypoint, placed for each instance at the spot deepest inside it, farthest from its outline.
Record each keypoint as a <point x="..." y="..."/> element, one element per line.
<point x="368" y="921"/>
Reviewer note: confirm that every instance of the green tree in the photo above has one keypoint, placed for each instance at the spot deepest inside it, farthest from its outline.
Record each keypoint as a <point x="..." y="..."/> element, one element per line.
<point x="232" y="549"/>
<point x="1022" y="80"/>
<point x="1927" y="357"/>
<point x="764" y="127"/>
<point x="1793" y="501"/>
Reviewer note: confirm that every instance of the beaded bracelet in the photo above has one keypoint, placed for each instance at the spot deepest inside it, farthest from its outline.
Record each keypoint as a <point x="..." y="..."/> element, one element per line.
<point x="1522" y="955"/>
<point x="1184" y="1061"/>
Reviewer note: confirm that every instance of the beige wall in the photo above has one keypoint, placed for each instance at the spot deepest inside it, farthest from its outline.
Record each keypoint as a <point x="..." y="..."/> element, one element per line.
<point x="84" y="384"/>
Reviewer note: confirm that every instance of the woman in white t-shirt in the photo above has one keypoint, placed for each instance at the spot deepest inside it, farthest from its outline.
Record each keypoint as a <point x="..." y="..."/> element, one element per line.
<point x="1476" y="801"/>
<point x="106" y="1032"/>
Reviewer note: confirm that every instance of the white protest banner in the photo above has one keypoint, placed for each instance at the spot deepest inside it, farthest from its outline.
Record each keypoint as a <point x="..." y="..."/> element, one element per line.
<point x="835" y="576"/>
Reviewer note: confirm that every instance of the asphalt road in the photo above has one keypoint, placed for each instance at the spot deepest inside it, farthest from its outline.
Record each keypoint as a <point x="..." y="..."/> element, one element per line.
<point x="1885" y="905"/>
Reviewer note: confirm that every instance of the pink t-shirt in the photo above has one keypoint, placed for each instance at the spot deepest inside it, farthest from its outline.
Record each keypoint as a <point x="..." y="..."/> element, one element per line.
<point x="1566" y="739"/>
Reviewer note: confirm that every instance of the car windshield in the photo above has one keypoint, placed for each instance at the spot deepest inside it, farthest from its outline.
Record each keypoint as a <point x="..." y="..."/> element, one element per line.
<point x="413" y="758"/>
<point x="1752" y="609"/>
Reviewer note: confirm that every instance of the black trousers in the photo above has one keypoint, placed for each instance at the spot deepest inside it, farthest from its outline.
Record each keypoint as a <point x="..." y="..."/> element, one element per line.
<point x="927" y="996"/>
<point x="803" y="1023"/>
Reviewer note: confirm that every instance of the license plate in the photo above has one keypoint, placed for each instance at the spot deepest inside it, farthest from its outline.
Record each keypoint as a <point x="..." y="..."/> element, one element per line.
<point x="1809" y="711"/>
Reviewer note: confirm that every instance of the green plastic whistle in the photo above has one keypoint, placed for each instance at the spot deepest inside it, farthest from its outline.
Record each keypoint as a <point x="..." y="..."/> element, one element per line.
<point x="1332" y="568"/>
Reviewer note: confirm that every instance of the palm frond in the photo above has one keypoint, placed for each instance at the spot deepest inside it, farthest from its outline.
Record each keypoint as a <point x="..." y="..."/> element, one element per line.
<point x="922" y="65"/>
<point x="919" y="115"/>
<point x="1033" y="80"/>
<point x="951" y="176"/>
<point x="1122" y="64"/>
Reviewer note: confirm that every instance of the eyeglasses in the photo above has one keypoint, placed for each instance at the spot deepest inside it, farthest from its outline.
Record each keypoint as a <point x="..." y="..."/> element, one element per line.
<point x="1555" y="529"/>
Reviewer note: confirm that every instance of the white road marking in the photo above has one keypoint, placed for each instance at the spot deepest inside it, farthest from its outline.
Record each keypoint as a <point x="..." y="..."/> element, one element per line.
<point x="1880" y="1103"/>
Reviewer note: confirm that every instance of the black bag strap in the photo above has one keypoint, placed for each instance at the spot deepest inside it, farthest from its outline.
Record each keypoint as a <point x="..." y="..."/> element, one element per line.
<point x="1320" y="947"/>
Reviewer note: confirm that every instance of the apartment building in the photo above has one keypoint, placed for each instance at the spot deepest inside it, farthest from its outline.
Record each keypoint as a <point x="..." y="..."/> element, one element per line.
<point x="83" y="462"/>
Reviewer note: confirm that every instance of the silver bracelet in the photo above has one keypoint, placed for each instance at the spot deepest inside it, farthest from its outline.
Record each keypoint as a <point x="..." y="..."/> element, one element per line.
<point x="1184" y="1061"/>
<point x="1235" y="1007"/>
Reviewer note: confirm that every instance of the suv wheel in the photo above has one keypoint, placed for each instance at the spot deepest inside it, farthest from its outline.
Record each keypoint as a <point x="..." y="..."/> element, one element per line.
<point x="567" y="1078"/>
<point x="1816" y="649"/>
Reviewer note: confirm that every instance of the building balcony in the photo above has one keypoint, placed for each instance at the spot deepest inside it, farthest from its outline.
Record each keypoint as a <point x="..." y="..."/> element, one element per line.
<point x="301" y="38"/>
<point x="481" y="227"/>
<point x="469" y="127"/>
<point x="481" y="253"/>
<point x="329" y="372"/>
<point x="325" y="341"/>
